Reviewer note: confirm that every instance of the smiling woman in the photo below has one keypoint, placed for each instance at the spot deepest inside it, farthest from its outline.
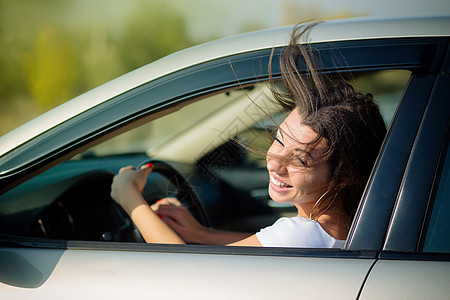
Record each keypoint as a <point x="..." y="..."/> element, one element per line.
<point x="297" y="173"/>
<point x="319" y="161"/>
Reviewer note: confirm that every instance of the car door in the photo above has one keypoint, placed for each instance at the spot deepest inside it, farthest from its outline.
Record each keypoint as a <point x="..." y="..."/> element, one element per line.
<point x="171" y="272"/>
<point x="33" y="268"/>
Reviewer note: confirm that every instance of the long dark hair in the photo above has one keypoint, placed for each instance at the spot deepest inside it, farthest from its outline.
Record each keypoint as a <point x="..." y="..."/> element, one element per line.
<point x="349" y="121"/>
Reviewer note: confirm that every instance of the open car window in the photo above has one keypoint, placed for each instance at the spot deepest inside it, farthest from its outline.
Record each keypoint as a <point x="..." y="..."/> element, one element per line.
<point x="206" y="140"/>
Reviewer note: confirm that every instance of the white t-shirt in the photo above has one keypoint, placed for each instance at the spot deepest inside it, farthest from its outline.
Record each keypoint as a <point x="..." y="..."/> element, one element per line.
<point x="298" y="232"/>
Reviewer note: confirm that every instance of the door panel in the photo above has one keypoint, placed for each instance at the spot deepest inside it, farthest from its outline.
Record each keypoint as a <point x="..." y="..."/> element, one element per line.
<point x="134" y="274"/>
<point x="391" y="279"/>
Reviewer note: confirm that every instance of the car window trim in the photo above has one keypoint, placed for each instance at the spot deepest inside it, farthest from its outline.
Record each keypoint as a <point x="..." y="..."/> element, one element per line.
<point x="409" y="213"/>
<point x="241" y="74"/>
<point x="413" y="256"/>
<point x="24" y="242"/>
<point x="373" y="215"/>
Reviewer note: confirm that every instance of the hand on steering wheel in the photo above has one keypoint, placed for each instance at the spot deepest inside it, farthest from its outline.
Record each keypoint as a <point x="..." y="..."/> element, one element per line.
<point x="179" y="219"/>
<point x="185" y="193"/>
<point x="136" y="179"/>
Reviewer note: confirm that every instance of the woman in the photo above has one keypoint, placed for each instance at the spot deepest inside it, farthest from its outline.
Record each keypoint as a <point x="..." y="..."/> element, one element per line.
<point x="320" y="160"/>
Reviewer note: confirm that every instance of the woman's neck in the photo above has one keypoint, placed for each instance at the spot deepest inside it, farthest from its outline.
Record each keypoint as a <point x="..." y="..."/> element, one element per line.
<point x="334" y="220"/>
<point x="335" y="225"/>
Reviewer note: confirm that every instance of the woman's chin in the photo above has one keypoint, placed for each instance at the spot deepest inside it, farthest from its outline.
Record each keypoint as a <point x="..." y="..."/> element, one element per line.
<point x="278" y="194"/>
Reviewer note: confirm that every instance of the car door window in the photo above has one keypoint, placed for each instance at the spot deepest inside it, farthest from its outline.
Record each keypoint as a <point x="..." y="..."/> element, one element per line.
<point x="213" y="122"/>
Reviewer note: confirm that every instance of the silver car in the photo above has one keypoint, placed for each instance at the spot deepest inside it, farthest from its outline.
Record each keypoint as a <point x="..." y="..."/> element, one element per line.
<point x="62" y="236"/>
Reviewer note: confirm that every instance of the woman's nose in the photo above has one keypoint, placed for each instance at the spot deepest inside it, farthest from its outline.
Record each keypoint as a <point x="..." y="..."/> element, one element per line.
<point x="275" y="163"/>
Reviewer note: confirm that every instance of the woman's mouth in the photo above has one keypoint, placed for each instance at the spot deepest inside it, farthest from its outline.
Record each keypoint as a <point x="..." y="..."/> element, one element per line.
<point x="279" y="183"/>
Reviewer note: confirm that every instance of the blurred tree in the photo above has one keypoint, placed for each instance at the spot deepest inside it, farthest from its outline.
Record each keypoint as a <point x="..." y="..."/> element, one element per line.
<point x="11" y="46"/>
<point x="299" y="11"/>
<point x="100" y="61"/>
<point x="153" y="31"/>
<point x="53" y="50"/>
<point x="9" y="59"/>
<point x="51" y="68"/>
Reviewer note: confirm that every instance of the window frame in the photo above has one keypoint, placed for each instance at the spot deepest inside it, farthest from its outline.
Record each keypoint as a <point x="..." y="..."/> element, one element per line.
<point x="417" y="55"/>
<point x="409" y="223"/>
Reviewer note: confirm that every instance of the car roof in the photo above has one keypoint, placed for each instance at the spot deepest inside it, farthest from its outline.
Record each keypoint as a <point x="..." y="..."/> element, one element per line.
<point x="339" y="30"/>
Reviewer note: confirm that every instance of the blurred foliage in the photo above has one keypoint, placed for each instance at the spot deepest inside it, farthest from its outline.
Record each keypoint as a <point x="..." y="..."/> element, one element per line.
<point x="154" y="30"/>
<point x="54" y="50"/>
<point x="50" y="67"/>
<point x="49" y="55"/>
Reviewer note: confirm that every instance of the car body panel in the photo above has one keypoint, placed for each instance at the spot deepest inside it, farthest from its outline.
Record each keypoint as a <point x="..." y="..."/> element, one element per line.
<point x="406" y="279"/>
<point x="188" y="276"/>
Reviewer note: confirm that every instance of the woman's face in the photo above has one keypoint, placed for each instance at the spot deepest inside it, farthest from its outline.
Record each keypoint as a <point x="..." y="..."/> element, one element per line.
<point x="296" y="180"/>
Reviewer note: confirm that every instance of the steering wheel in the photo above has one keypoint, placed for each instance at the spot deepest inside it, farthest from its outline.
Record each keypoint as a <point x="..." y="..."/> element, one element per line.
<point x="185" y="192"/>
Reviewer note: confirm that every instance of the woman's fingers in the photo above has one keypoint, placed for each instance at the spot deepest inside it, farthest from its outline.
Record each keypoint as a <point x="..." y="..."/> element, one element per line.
<point x="172" y="210"/>
<point x="147" y="168"/>
<point x="147" y="165"/>
<point x="180" y="215"/>
<point x="129" y="180"/>
<point x="182" y="222"/>
<point x="127" y="168"/>
<point x="171" y="200"/>
<point x="166" y="201"/>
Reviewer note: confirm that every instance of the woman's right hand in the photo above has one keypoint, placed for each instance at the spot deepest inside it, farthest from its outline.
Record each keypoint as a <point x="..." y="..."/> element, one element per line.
<point x="128" y="183"/>
<point x="180" y="220"/>
<point x="126" y="190"/>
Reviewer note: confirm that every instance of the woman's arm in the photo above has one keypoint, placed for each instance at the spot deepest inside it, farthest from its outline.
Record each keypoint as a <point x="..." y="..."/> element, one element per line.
<point x="167" y="221"/>
<point x="126" y="190"/>
<point x="185" y="225"/>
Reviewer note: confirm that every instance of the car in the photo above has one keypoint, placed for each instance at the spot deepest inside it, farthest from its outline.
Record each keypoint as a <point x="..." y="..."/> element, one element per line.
<point x="196" y="114"/>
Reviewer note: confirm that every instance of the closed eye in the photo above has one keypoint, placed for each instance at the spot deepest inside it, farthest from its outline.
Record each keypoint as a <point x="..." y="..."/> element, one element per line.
<point x="279" y="141"/>
<point x="302" y="161"/>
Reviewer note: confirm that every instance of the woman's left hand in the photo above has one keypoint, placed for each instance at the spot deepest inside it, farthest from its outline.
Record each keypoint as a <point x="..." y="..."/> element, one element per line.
<point x="180" y="220"/>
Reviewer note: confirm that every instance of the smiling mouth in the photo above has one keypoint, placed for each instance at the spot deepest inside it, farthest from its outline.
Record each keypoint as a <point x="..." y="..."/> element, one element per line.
<point x="278" y="183"/>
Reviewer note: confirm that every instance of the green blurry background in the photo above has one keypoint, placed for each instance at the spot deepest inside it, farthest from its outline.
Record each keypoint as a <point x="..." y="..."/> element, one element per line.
<point x="54" y="50"/>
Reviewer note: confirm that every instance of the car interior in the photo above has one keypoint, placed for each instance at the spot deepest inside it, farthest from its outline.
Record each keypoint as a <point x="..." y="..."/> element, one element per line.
<point x="212" y="146"/>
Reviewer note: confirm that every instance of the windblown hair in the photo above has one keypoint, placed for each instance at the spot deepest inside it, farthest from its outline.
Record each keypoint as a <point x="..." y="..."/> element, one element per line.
<point x="349" y="121"/>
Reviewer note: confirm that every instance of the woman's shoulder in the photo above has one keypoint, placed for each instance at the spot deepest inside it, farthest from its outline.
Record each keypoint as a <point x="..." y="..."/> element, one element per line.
<point x="297" y="232"/>
<point x="307" y="226"/>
